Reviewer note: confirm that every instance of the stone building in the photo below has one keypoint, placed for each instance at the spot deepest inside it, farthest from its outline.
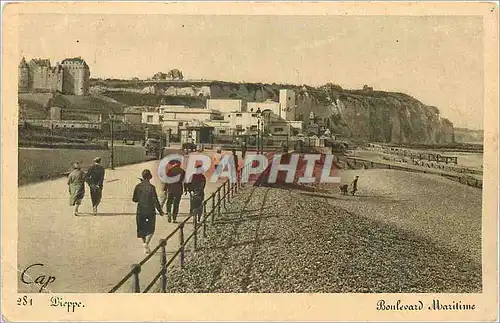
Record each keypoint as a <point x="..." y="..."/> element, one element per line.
<point x="69" y="77"/>
<point x="24" y="77"/>
<point x="38" y="74"/>
<point x="76" y="74"/>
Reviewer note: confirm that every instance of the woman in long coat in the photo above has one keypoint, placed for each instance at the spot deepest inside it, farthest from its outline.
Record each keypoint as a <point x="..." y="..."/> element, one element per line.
<point x="147" y="201"/>
<point x="76" y="180"/>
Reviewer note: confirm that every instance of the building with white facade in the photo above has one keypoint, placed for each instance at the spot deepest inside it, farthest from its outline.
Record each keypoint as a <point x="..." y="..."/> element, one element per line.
<point x="263" y="106"/>
<point x="221" y="128"/>
<point x="242" y="121"/>
<point x="185" y="114"/>
<point x="227" y="117"/>
<point x="287" y="104"/>
<point x="282" y="127"/>
<point x="225" y="105"/>
<point x="278" y="117"/>
<point x="172" y="118"/>
<point x="152" y="118"/>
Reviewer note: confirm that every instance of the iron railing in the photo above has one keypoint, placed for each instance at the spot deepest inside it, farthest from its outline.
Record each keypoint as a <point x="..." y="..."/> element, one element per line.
<point x="222" y="196"/>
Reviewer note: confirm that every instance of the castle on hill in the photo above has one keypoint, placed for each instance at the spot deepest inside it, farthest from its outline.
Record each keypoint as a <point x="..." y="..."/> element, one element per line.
<point x="71" y="76"/>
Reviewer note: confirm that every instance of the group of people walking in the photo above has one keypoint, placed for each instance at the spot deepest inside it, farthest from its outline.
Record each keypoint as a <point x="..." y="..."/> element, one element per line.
<point x="94" y="177"/>
<point x="145" y="194"/>
<point x="148" y="203"/>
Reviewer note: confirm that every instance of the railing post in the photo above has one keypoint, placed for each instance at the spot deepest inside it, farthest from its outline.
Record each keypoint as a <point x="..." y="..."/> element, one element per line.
<point x="224" y="194"/>
<point x="218" y="201"/>
<point x="181" y="242"/>
<point x="204" y="219"/>
<point x="212" y="215"/>
<point x="237" y="185"/>
<point x="213" y="205"/>
<point x="195" y="233"/>
<point x="240" y="179"/>
<point x="163" y="243"/>
<point x="136" y="269"/>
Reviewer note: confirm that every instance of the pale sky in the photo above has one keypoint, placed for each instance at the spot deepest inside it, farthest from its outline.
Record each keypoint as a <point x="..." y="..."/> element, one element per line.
<point x="438" y="60"/>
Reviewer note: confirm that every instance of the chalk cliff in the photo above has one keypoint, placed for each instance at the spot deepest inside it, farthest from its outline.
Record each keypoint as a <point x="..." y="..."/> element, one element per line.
<point x="364" y="114"/>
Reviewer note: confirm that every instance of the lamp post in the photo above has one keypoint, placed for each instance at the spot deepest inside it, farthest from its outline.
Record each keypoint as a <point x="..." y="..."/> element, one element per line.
<point x="259" y="137"/>
<point x="111" y="123"/>
<point x="262" y="132"/>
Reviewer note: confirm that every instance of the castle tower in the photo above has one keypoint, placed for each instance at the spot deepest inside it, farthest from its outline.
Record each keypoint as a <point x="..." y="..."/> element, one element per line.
<point x="58" y="71"/>
<point x="24" y="76"/>
<point x="76" y="74"/>
<point x="287" y="104"/>
<point x="40" y="74"/>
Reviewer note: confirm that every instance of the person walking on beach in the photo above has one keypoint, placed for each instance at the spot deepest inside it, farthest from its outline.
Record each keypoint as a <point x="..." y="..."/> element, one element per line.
<point x="196" y="190"/>
<point x="95" y="180"/>
<point x="147" y="201"/>
<point x="76" y="185"/>
<point x="354" y="185"/>
<point x="173" y="191"/>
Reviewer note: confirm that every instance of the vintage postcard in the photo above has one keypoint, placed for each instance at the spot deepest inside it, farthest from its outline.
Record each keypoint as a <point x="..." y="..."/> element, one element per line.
<point x="238" y="161"/>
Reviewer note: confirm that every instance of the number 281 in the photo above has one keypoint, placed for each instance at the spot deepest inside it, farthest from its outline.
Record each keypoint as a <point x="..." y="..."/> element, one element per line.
<point x="24" y="301"/>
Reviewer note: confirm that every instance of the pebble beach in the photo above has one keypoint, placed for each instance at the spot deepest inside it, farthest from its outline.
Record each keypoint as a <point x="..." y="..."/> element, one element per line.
<point x="401" y="233"/>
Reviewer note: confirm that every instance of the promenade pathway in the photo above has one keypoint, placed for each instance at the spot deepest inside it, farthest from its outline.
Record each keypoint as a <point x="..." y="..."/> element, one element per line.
<point x="88" y="253"/>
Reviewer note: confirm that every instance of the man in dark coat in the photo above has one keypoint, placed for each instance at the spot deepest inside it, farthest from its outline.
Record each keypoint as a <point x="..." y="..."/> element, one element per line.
<point x="95" y="180"/>
<point x="173" y="191"/>
<point x="196" y="188"/>
<point x="147" y="201"/>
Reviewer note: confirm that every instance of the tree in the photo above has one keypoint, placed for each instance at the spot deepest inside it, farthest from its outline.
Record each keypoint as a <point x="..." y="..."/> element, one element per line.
<point x="160" y="76"/>
<point x="175" y="74"/>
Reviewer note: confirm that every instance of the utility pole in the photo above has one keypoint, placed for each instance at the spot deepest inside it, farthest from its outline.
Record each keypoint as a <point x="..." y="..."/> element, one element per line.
<point x="259" y="137"/>
<point x="287" y="134"/>
<point x="111" y="122"/>
<point x="160" y="153"/>
<point x="262" y="139"/>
